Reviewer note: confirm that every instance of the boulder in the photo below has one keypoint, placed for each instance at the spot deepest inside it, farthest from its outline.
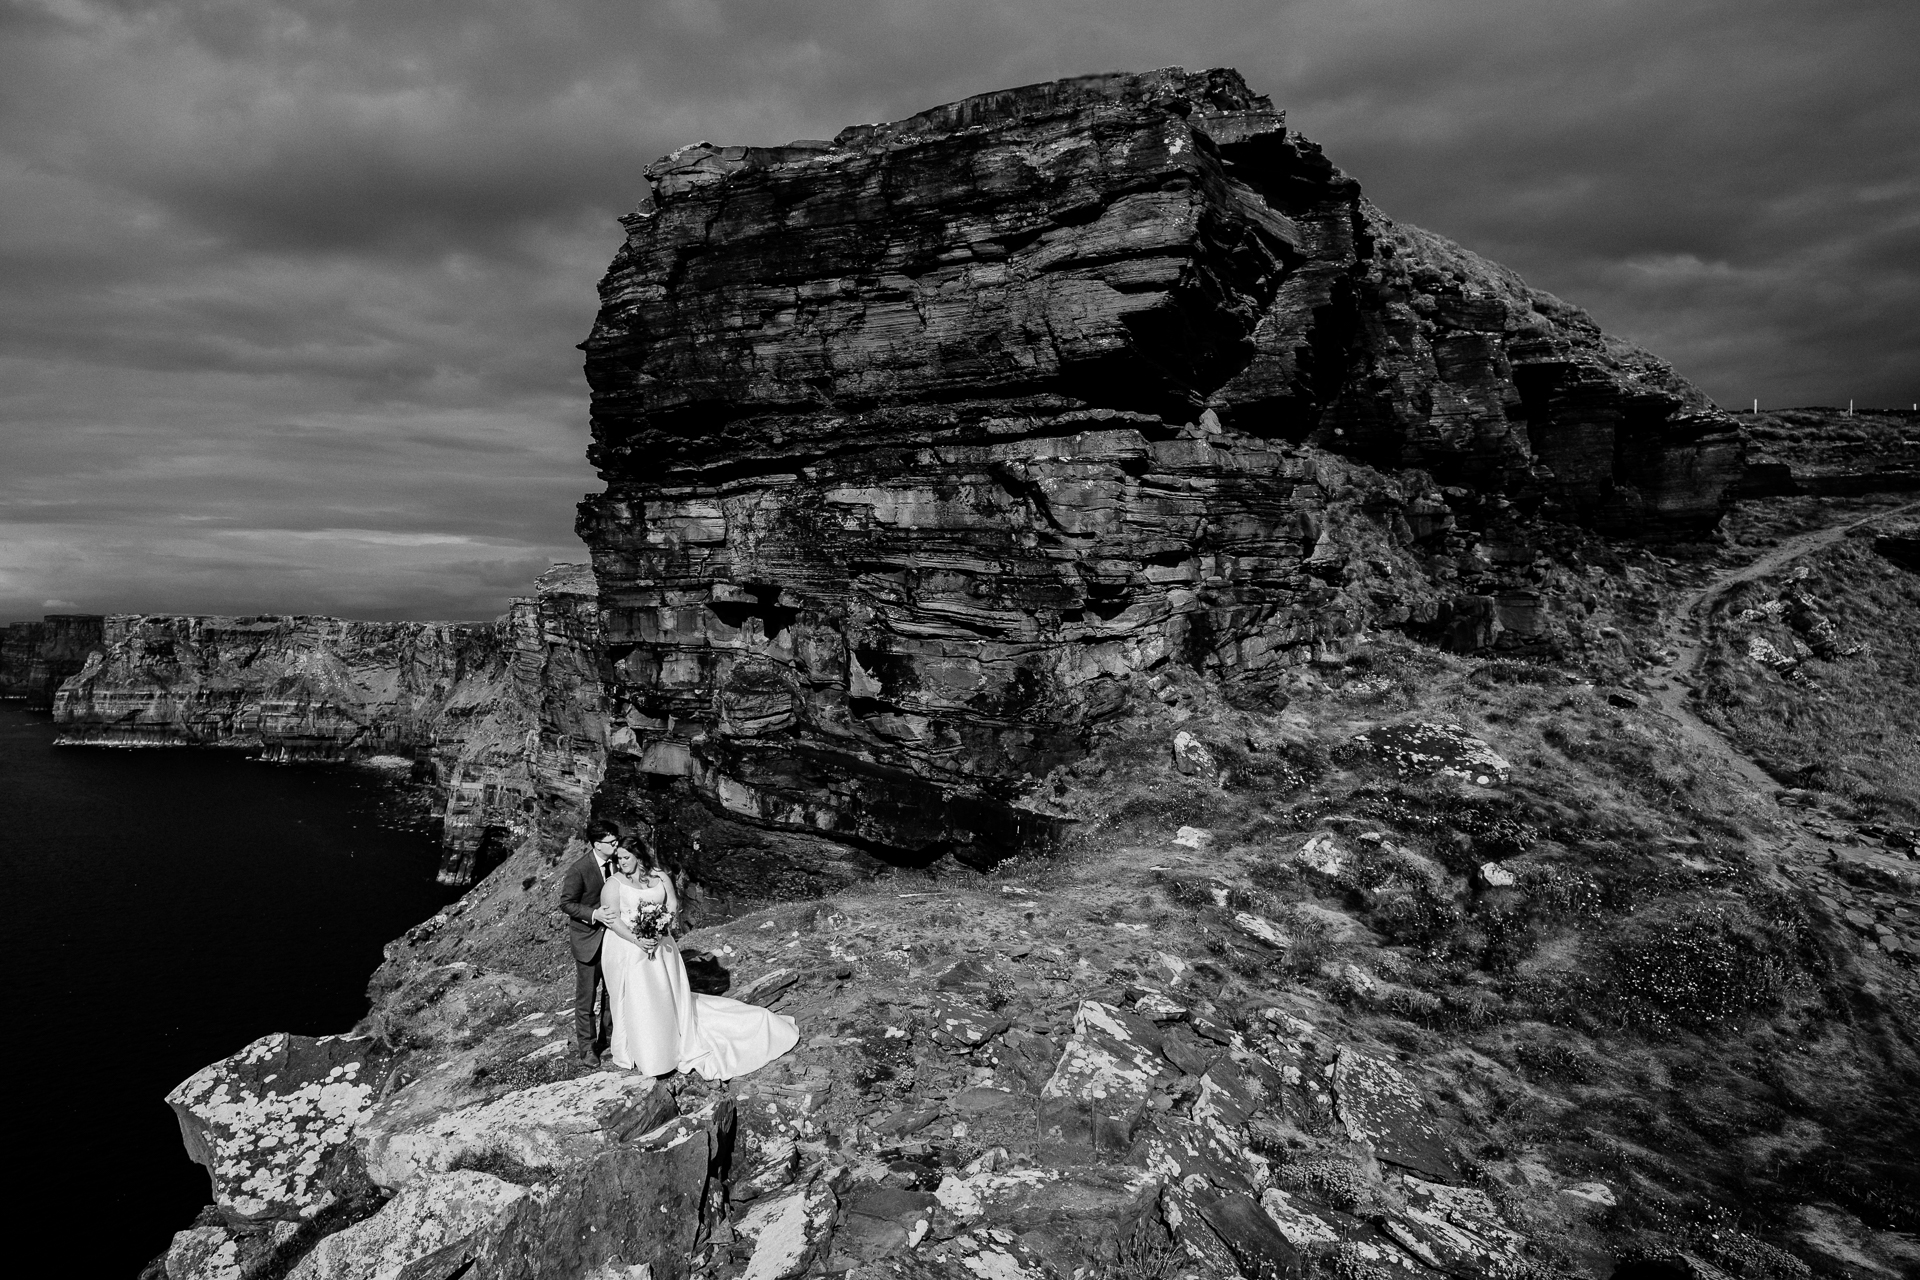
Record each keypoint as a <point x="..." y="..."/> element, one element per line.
<point x="219" y="1252"/>
<point x="645" y="1203"/>
<point x="1309" y="1226"/>
<point x="764" y="1162"/>
<point x="1378" y="1105"/>
<point x="1156" y="1007"/>
<point x="766" y="988"/>
<point x="906" y="1121"/>
<point x="1456" y="1229"/>
<point x="1255" y="926"/>
<point x="440" y="1211"/>
<point x="1192" y="1237"/>
<point x="1495" y="876"/>
<point x="989" y="1255"/>
<point x="1027" y="1055"/>
<point x="1097" y="1094"/>
<point x="1194" y="758"/>
<point x="274" y="1124"/>
<point x="1424" y="750"/>
<point x="1188" y="1153"/>
<point x="1322" y="855"/>
<point x="543" y="1128"/>
<point x="1593" y="1196"/>
<point x="1068" y="1212"/>
<point x="971" y="976"/>
<point x="1187" y="1051"/>
<point x="955" y="1024"/>
<point x="882" y="1222"/>
<point x="787" y="1232"/>
<point x="1252" y="1237"/>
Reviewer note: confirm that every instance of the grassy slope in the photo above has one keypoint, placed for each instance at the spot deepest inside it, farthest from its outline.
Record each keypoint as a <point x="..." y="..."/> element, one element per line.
<point x="1852" y="730"/>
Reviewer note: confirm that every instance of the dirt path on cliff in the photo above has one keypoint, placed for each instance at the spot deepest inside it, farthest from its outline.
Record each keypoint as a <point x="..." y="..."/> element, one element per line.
<point x="1685" y="634"/>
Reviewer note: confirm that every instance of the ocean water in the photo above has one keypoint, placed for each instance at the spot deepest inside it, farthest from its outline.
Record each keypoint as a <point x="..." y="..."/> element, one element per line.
<point x="159" y="909"/>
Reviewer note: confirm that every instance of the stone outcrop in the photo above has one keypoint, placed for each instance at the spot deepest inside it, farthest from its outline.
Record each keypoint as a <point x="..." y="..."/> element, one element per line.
<point x="1116" y="1123"/>
<point x="503" y="719"/>
<point x="338" y="1159"/>
<point x="920" y="441"/>
<point x="36" y="657"/>
<point x="272" y="1124"/>
<point x="1826" y="452"/>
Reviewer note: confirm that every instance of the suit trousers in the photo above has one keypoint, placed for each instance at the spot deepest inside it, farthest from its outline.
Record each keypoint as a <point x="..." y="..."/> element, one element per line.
<point x="588" y="1031"/>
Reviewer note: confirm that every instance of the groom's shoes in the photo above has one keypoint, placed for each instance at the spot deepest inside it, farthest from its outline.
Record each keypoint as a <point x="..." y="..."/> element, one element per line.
<point x="588" y="1056"/>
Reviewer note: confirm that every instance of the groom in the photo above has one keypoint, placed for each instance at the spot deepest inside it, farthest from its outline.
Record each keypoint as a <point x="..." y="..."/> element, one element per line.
<point x="580" y="899"/>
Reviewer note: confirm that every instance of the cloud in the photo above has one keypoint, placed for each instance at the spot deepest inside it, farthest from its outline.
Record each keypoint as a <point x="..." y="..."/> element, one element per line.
<point x="291" y="266"/>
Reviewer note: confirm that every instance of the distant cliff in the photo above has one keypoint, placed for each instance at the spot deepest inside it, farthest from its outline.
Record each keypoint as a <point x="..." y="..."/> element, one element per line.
<point x="36" y="656"/>
<point x="502" y="719"/>
<point x="919" y="442"/>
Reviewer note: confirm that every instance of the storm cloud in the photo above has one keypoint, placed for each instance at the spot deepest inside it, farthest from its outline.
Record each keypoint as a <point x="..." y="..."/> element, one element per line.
<point x="289" y="292"/>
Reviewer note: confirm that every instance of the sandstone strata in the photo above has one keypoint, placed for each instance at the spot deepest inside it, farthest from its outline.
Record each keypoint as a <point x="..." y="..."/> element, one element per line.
<point x="501" y="719"/>
<point x="919" y="442"/>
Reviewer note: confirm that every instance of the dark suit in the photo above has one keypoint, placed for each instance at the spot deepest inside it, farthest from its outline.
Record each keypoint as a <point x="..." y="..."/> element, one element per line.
<point x="579" y="895"/>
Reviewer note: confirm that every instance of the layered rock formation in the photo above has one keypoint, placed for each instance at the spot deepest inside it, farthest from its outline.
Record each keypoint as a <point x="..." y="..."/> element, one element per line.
<point x="925" y="448"/>
<point x="502" y="719"/>
<point x="1832" y="452"/>
<point x="919" y="441"/>
<point x="35" y="657"/>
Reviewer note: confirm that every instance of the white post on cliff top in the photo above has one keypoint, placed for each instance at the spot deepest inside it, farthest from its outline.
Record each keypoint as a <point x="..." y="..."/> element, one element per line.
<point x="1756" y="405"/>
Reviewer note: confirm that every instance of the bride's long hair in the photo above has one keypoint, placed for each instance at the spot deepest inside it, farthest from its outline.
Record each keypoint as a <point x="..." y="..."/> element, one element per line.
<point x="641" y="846"/>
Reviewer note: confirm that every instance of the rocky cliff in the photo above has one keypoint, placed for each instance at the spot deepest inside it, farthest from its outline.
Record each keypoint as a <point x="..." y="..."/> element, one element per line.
<point x="502" y="720"/>
<point x="1091" y="458"/>
<point x="920" y="441"/>
<point x="35" y="657"/>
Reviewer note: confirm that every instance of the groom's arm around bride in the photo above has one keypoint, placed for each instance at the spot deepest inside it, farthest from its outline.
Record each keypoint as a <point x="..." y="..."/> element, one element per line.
<point x="580" y="901"/>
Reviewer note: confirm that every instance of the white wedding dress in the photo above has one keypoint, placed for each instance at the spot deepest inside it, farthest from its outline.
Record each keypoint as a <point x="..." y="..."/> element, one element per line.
<point x="660" y="1024"/>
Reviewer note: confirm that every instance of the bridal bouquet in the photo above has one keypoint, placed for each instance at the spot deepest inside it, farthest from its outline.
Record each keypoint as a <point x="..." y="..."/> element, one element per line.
<point x="650" y="922"/>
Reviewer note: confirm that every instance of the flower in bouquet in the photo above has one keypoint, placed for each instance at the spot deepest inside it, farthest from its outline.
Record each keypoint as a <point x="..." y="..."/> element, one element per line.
<point x="649" y="922"/>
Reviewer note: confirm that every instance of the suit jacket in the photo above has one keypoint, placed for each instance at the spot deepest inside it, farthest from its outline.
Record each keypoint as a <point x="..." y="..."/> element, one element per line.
<point x="579" y="895"/>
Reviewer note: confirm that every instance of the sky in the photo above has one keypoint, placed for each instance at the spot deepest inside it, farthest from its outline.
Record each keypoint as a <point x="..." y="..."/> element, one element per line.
<point x="290" y="291"/>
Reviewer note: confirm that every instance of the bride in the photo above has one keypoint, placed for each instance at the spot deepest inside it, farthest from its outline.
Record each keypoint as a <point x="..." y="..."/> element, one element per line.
<point x="659" y="1024"/>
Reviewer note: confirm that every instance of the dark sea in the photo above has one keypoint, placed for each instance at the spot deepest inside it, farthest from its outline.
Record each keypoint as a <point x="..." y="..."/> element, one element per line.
<point x="159" y="909"/>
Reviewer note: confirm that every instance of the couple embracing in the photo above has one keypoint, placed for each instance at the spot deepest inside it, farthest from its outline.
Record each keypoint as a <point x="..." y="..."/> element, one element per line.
<point x="621" y="910"/>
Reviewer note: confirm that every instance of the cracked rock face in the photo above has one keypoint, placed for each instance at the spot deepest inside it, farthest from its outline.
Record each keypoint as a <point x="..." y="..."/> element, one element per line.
<point x="919" y="442"/>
